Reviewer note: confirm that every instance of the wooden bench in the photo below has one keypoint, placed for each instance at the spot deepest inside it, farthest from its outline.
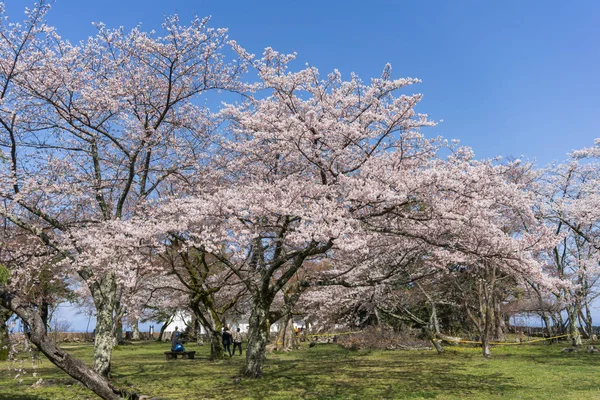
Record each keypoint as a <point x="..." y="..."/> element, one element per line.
<point x="186" y="355"/>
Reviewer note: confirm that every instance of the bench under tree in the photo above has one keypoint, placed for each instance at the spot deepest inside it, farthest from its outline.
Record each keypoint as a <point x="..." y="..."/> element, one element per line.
<point x="186" y="355"/>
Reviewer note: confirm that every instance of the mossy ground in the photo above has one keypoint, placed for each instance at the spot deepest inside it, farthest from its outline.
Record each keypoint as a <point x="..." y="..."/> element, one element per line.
<point x="329" y="372"/>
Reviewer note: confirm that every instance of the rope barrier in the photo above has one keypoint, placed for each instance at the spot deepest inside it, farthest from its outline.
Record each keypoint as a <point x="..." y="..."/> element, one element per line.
<point x="503" y="343"/>
<point x="331" y="334"/>
<point x="461" y="341"/>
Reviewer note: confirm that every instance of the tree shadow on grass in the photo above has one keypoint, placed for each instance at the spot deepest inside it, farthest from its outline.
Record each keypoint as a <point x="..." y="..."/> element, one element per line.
<point x="372" y="379"/>
<point x="332" y="373"/>
<point x="335" y="374"/>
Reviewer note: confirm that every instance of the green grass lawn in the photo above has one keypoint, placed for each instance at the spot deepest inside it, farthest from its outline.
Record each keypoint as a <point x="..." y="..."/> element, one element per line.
<point x="330" y="372"/>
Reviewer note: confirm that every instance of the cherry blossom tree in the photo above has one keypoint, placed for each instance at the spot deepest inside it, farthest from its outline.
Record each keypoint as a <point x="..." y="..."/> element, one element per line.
<point x="89" y="131"/>
<point x="109" y="122"/>
<point x="568" y="197"/>
<point x="452" y="214"/>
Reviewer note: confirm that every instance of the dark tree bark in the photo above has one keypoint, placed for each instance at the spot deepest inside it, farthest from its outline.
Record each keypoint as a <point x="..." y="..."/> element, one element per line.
<point x="5" y="314"/>
<point x="164" y="327"/>
<point x="45" y="314"/>
<point x="208" y="316"/>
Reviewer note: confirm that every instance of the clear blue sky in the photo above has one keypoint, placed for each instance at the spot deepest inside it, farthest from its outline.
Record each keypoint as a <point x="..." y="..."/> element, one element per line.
<point x="506" y="77"/>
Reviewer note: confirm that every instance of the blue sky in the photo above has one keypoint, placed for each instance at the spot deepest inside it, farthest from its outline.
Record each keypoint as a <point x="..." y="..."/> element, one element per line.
<point x="518" y="78"/>
<point x="507" y="78"/>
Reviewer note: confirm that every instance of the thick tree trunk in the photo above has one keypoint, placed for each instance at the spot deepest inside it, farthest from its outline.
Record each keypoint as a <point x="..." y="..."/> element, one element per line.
<point x="135" y="330"/>
<point x="574" y="326"/>
<point x="547" y="324"/>
<point x="558" y="318"/>
<point x="104" y="294"/>
<point x="488" y="310"/>
<point x="486" y="332"/>
<point x="487" y="327"/>
<point x="558" y="323"/>
<point x="438" y="346"/>
<point x="5" y="314"/>
<point x="119" y="337"/>
<point x="216" y="345"/>
<point x="77" y="369"/>
<point x="431" y="336"/>
<point x="119" y="331"/>
<point x="499" y="324"/>
<point x="434" y="328"/>
<point x="286" y="337"/>
<point x="485" y="344"/>
<point x="214" y="325"/>
<point x="257" y="340"/>
<point x="198" y="332"/>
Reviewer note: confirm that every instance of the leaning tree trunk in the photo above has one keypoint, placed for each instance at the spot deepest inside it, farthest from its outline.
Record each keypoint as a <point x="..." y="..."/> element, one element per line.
<point x="5" y="314"/>
<point x="587" y="318"/>
<point x="433" y="329"/>
<point x="104" y="294"/>
<point x="429" y="334"/>
<point x="163" y="328"/>
<point x="583" y="326"/>
<point x="257" y="340"/>
<point x="213" y="324"/>
<point x="77" y="369"/>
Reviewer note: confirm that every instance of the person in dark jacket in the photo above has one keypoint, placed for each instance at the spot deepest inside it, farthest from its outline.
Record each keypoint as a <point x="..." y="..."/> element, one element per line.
<point x="227" y="339"/>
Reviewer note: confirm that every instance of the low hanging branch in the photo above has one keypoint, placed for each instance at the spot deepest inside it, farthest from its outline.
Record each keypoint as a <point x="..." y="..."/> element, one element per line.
<point x="77" y="369"/>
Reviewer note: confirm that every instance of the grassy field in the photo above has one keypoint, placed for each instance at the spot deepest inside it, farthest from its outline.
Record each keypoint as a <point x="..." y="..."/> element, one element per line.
<point x="330" y="372"/>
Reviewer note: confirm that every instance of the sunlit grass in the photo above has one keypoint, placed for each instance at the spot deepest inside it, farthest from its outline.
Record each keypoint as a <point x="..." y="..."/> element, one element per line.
<point x="330" y="372"/>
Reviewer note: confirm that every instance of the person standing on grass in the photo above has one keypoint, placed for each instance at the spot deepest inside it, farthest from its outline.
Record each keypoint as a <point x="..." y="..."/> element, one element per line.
<point x="237" y="340"/>
<point x="227" y="339"/>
